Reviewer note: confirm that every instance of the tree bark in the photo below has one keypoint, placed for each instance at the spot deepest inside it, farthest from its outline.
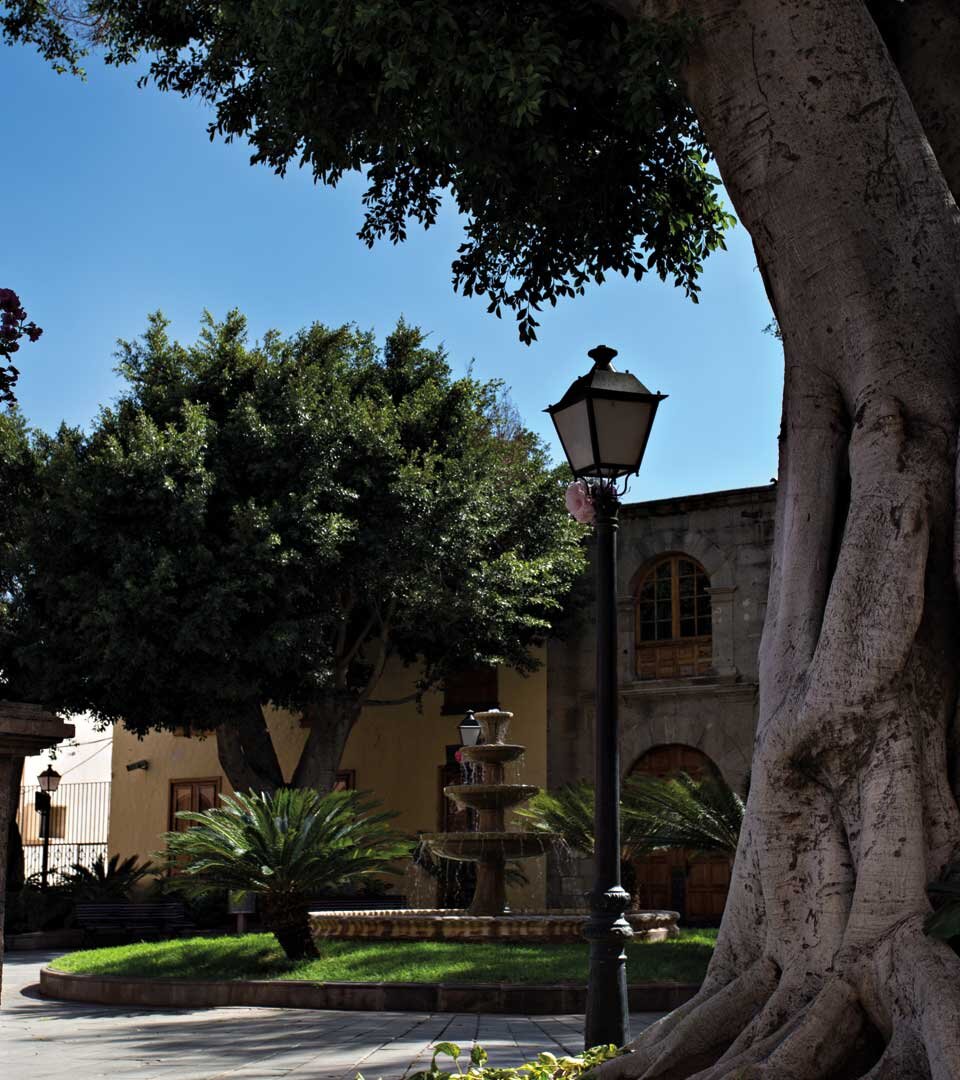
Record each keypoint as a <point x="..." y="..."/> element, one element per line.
<point x="822" y="968"/>
<point x="246" y="752"/>
<point x="926" y="48"/>
<point x="331" y="721"/>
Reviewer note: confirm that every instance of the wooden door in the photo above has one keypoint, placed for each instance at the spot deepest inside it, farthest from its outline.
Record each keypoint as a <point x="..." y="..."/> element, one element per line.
<point x="680" y="880"/>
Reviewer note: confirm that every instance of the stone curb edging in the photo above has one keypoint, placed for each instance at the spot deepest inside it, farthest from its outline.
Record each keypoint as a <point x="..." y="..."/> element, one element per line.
<point x="559" y="999"/>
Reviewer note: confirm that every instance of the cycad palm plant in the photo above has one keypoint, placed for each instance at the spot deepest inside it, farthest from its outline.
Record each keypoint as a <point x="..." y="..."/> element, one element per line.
<point x="567" y="815"/>
<point x="704" y="816"/>
<point x="286" y="847"/>
<point x="100" y="882"/>
<point x="699" y="815"/>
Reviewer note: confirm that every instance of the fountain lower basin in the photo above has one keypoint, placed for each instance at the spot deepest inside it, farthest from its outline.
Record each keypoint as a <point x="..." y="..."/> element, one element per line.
<point x="454" y="924"/>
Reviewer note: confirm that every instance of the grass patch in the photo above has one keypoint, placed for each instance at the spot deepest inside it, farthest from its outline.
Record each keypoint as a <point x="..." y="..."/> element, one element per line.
<point x="257" y="956"/>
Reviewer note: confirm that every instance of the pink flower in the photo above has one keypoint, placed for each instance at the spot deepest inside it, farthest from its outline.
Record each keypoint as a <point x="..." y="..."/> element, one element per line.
<point x="580" y="503"/>
<point x="458" y="757"/>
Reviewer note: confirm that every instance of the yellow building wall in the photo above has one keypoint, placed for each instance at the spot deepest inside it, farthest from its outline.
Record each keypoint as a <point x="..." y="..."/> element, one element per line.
<point x="396" y="751"/>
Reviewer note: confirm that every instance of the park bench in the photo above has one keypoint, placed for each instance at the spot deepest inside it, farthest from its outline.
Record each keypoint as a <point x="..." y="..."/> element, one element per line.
<point x="167" y="918"/>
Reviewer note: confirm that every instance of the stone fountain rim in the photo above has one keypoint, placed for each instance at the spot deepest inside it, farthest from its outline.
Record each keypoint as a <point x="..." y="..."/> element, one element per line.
<point x="465" y="750"/>
<point x="652" y="915"/>
<point x="487" y="788"/>
<point x="489" y="834"/>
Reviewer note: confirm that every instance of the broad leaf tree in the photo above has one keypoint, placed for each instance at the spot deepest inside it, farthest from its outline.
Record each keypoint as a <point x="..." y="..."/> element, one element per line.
<point x="574" y="138"/>
<point x="276" y="523"/>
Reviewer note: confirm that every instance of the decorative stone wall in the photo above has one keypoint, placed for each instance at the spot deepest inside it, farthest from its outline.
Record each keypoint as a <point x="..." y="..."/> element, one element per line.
<point x="452" y="925"/>
<point x="730" y="533"/>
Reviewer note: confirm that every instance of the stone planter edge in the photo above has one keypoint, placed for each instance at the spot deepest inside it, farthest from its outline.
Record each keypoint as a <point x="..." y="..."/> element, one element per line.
<point x="506" y="998"/>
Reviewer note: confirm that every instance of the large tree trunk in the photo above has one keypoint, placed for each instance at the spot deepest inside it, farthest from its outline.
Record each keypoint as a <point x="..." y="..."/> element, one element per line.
<point x="246" y="752"/>
<point x="249" y="759"/>
<point x="331" y="721"/>
<point x="822" y="968"/>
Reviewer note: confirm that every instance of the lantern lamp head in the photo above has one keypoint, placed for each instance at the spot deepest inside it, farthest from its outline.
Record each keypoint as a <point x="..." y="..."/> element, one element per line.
<point x="469" y="730"/>
<point x="49" y="780"/>
<point x="603" y="421"/>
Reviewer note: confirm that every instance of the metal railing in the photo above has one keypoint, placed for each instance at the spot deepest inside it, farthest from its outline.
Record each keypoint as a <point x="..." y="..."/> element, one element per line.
<point x="79" y="825"/>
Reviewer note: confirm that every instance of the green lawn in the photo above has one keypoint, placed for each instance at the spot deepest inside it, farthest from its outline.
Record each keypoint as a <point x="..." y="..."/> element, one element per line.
<point x="257" y="956"/>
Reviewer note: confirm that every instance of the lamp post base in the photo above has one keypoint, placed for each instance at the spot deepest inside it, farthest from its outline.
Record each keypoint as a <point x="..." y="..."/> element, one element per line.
<point x="608" y="1015"/>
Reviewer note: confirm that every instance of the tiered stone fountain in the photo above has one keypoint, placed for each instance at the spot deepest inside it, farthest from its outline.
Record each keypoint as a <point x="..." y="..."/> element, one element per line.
<point x="491" y="847"/>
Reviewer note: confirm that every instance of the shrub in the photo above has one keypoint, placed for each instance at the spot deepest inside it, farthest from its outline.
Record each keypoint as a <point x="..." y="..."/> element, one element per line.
<point x="546" y="1067"/>
<point x="102" y="882"/>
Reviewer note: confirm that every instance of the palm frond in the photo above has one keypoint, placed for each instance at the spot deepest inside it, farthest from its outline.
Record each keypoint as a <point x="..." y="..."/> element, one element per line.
<point x="700" y="815"/>
<point x="103" y="881"/>
<point x="566" y="814"/>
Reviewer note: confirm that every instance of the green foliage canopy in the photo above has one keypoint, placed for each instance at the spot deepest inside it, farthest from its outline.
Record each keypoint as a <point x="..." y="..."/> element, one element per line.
<point x="558" y="129"/>
<point x="274" y="523"/>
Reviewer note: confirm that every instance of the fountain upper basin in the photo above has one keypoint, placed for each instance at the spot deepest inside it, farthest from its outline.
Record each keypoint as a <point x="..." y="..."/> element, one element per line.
<point x="480" y="846"/>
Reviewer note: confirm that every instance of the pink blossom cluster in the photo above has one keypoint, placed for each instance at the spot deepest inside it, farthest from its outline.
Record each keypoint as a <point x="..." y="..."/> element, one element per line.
<point x="579" y="501"/>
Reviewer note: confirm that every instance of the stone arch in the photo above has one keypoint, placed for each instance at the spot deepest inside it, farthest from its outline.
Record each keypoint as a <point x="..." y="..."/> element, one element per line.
<point x="639" y="552"/>
<point x="718" y="724"/>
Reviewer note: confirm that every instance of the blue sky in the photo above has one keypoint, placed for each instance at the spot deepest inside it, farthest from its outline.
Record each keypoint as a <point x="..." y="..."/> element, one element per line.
<point x="115" y="203"/>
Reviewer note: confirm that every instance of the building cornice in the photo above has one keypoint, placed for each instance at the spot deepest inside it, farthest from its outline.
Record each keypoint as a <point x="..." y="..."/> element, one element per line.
<point x="751" y="496"/>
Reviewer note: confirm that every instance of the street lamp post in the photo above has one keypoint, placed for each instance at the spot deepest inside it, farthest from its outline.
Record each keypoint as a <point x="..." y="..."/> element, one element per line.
<point x="603" y="422"/>
<point x="49" y="781"/>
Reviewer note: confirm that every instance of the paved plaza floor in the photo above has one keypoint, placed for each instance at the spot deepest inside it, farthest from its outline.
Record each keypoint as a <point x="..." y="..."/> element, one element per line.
<point x="54" y="1040"/>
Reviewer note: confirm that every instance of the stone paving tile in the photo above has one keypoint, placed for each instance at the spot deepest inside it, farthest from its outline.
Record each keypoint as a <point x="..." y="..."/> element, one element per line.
<point x="51" y="1040"/>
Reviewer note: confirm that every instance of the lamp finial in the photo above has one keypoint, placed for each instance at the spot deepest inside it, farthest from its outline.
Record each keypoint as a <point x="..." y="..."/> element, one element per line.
<point x="602" y="356"/>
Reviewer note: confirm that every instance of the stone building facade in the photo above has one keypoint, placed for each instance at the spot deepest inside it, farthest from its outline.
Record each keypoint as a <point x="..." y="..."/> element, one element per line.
<point x="693" y="577"/>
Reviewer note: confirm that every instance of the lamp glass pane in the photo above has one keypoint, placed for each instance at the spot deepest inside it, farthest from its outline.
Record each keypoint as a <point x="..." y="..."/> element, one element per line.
<point x="469" y="733"/>
<point x="49" y="780"/>
<point x="621" y="431"/>
<point x="573" y="427"/>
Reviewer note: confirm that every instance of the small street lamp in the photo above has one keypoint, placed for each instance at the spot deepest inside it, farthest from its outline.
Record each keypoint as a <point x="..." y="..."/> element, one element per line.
<point x="603" y="422"/>
<point x="49" y="781"/>
<point x="469" y="730"/>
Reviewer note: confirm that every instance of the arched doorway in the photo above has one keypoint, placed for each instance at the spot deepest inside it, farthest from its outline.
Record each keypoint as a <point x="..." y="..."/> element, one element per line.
<point x="695" y="885"/>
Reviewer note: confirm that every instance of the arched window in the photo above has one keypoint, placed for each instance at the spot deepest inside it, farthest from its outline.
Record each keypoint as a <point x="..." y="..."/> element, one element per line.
<point x="673" y="620"/>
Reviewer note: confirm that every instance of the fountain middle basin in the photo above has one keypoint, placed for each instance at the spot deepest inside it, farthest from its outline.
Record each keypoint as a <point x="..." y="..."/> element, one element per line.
<point x="490" y="796"/>
<point x="482" y="846"/>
